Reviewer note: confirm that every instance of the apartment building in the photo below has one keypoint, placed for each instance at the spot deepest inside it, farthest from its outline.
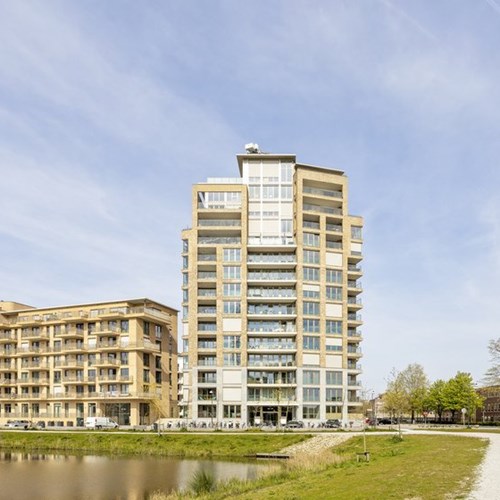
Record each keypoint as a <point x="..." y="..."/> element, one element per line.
<point x="59" y="365"/>
<point x="271" y="295"/>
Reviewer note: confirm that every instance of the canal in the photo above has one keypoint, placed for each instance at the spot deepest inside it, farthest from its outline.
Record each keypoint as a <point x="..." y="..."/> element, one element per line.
<point x="43" y="476"/>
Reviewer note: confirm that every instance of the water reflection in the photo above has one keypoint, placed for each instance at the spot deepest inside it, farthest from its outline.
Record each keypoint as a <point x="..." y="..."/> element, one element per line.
<point x="43" y="476"/>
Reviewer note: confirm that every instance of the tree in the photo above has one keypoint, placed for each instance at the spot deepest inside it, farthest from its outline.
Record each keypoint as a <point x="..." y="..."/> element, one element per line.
<point x="436" y="398"/>
<point x="416" y="386"/>
<point x="395" y="397"/>
<point x="459" y="393"/>
<point x="492" y="376"/>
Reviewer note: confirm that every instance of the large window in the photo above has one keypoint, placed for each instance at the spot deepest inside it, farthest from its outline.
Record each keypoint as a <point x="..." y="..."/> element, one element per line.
<point x="232" y="272"/>
<point x="310" y="325"/>
<point x="311" y="377"/>
<point x="232" y="289"/>
<point x="311" y="343"/>
<point x="232" y="359"/>
<point x="311" y="256"/>
<point x="232" y="307"/>
<point x="311" y="393"/>
<point x="232" y="411"/>
<point x="334" y="327"/>
<point x="311" y="274"/>
<point x="311" y="308"/>
<point x="333" y="378"/>
<point x="309" y="411"/>
<point x="334" y="394"/>
<point x="333" y="276"/>
<point x="232" y="255"/>
<point x="311" y="240"/>
<point x="232" y="342"/>
<point x="334" y="293"/>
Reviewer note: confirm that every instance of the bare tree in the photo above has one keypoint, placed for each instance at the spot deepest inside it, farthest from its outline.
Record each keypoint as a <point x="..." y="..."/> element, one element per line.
<point x="492" y="375"/>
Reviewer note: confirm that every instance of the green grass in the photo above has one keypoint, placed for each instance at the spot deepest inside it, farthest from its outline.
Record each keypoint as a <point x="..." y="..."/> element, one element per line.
<point x="181" y="445"/>
<point x="419" y="467"/>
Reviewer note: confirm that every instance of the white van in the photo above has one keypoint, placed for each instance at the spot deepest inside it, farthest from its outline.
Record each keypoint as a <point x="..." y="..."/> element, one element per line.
<point x="100" y="423"/>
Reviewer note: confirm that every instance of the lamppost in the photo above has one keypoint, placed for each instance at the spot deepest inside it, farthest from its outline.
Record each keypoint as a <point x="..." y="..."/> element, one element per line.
<point x="212" y="398"/>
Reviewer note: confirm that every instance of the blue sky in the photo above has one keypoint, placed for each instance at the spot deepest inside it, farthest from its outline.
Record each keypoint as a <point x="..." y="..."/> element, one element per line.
<point x="110" y="111"/>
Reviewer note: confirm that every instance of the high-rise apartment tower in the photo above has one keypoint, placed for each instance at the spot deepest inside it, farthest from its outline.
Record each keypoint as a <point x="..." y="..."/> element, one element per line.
<point x="271" y="296"/>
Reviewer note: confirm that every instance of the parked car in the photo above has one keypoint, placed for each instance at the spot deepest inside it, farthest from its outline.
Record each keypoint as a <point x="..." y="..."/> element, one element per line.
<point x="333" y="423"/>
<point x="100" y="423"/>
<point x="385" y="421"/>
<point x="294" y="424"/>
<point x="18" y="424"/>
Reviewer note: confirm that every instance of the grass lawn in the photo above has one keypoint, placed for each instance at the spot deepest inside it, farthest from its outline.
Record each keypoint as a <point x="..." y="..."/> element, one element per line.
<point x="419" y="467"/>
<point x="179" y="444"/>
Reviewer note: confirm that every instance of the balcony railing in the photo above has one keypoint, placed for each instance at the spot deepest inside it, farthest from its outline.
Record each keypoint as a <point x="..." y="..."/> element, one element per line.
<point x="272" y="258"/>
<point x="272" y="292"/>
<point x="271" y="310"/>
<point x="354" y="284"/>
<point x="337" y="228"/>
<point x="272" y="345"/>
<point x="219" y="222"/>
<point x="271" y="276"/>
<point x="322" y="192"/>
<point x="324" y="210"/>
<point x="218" y="240"/>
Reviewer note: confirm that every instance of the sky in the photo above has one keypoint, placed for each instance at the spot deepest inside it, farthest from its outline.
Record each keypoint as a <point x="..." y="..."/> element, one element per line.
<point x="111" y="111"/>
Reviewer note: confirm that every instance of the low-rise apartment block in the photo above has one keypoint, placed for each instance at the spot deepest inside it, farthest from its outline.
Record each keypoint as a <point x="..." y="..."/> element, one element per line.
<point x="60" y="365"/>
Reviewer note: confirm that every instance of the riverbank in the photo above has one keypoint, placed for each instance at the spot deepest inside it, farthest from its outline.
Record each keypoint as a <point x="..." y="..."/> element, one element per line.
<point x="419" y="466"/>
<point x="173" y="445"/>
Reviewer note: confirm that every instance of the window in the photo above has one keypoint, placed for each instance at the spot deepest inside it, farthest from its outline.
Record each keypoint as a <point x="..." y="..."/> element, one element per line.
<point x="185" y="295"/>
<point x="311" y="393"/>
<point x="254" y="192"/>
<point x="310" y="411"/>
<point x="333" y="326"/>
<point x="146" y="328"/>
<point x="356" y="233"/>
<point x="286" y="226"/>
<point x="232" y="255"/>
<point x="333" y="378"/>
<point x="158" y="331"/>
<point x="185" y="279"/>
<point x="311" y="343"/>
<point x="270" y="192"/>
<point x="232" y="272"/>
<point x="334" y="293"/>
<point x="232" y="307"/>
<point x="334" y="394"/>
<point x="311" y="257"/>
<point x="124" y="325"/>
<point x="311" y="294"/>
<point x="232" y="289"/>
<point x="124" y="358"/>
<point x="185" y="246"/>
<point x="333" y="276"/>
<point x="145" y="359"/>
<point x="232" y="342"/>
<point x="145" y="375"/>
<point x="311" y="308"/>
<point x="311" y="325"/>
<point x="184" y="262"/>
<point x="311" y="240"/>
<point x="232" y="359"/>
<point x="311" y="274"/>
<point x="232" y="411"/>
<point x="286" y="192"/>
<point x="336" y="348"/>
<point x="286" y="172"/>
<point x="311" y="377"/>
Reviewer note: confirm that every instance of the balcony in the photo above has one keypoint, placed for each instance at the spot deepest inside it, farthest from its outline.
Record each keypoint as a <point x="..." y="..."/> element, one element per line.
<point x="354" y="286"/>
<point x="8" y="367"/>
<point x="271" y="242"/>
<point x="32" y="381"/>
<point x="271" y="346"/>
<point x="271" y="260"/>
<point x="271" y="294"/>
<point x="207" y="361"/>
<point x="7" y="336"/>
<point x="219" y="240"/>
<point x="271" y="277"/>
<point x="207" y="275"/>
<point x="334" y="228"/>
<point x="334" y="245"/>
<point x="271" y="310"/>
<point x="34" y="334"/>
<point x="106" y="361"/>
<point x="354" y="318"/>
<point x="354" y="303"/>
<point x="207" y="257"/>
<point x="70" y="333"/>
<point x="69" y="363"/>
<point x="309" y="207"/>
<point x="327" y="193"/>
<point x="271" y="326"/>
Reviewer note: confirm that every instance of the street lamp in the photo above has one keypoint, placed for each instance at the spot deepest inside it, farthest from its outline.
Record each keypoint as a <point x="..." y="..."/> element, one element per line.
<point x="212" y="398"/>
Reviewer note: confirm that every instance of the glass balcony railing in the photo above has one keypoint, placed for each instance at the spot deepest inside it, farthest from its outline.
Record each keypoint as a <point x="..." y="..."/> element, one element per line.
<point x="337" y="228"/>
<point x="271" y="258"/>
<point x="271" y="276"/>
<point x="252" y="309"/>
<point x="324" y="210"/>
<point x="322" y="192"/>
<point x="220" y="222"/>
<point x="272" y="292"/>
<point x="218" y="240"/>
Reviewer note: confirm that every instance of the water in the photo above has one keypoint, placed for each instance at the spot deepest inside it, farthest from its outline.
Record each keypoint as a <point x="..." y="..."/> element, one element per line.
<point x="41" y="476"/>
